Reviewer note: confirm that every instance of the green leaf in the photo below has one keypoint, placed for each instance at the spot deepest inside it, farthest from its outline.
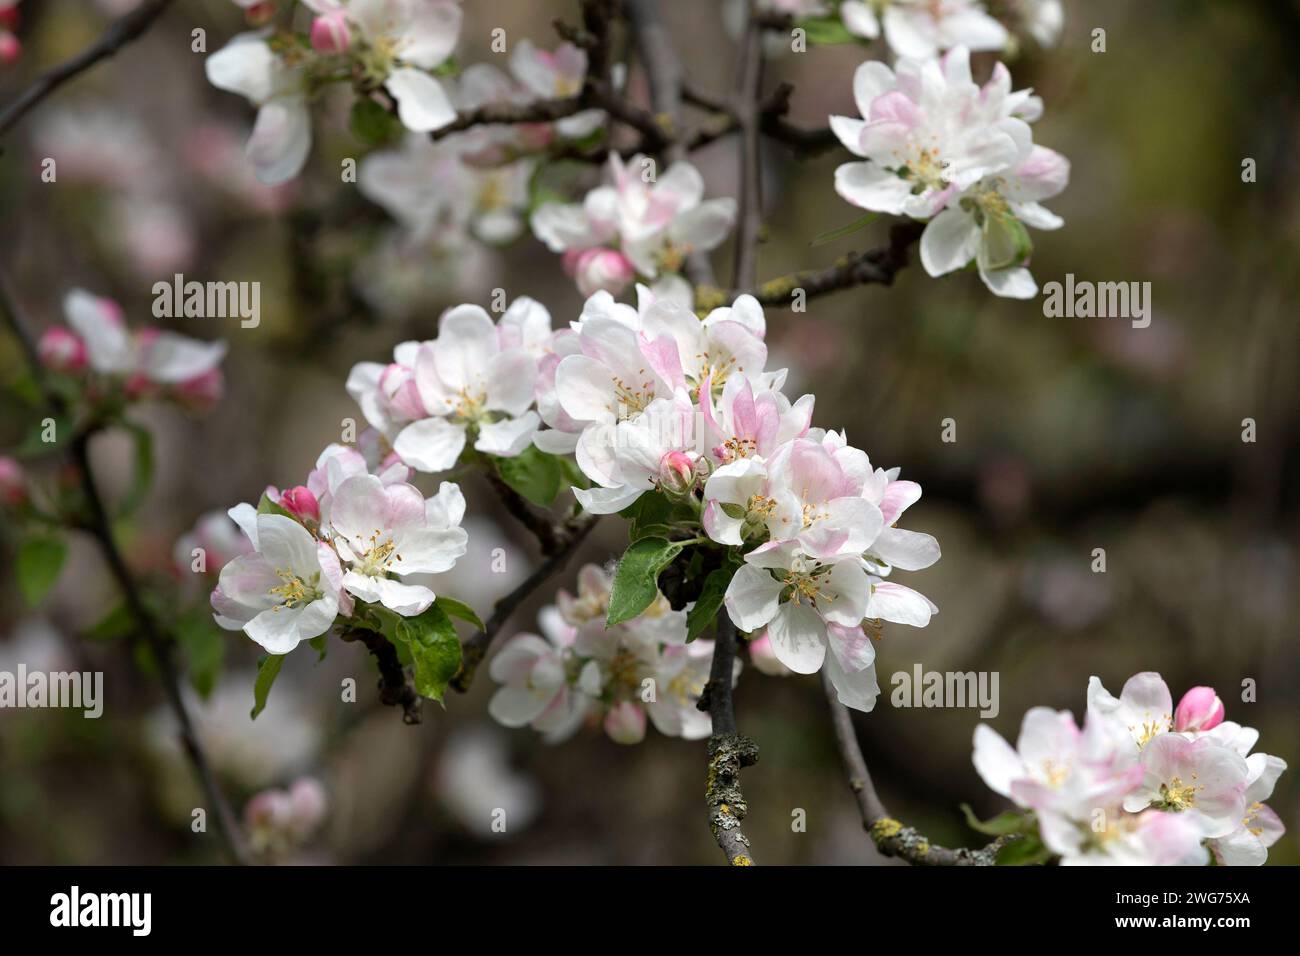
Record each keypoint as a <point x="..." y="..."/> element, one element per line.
<point x="843" y="231"/>
<point x="117" y="623"/>
<point x="534" y="474"/>
<point x="573" y="475"/>
<point x="637" y="577"/>
<point x="204" y="647"/>
<point x="825" y="31"/>
<point x="268" y="668"/>
<point x="318" y="644"/>
<point x="37" y="566"/>
<point x="268" y="507"/>
<point x="460" y="609"/>
<point x="709" y="603"/>
<point x="653" y="515"/>
<point x="1003" y="824"/>
<point x="142" y="441"/>
<point x="372" y="124"/>
<point x="1026" y="851"/>
<point x="435" y="650"/>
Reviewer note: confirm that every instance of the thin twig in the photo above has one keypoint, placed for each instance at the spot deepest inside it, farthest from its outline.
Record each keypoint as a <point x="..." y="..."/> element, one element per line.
<point x="664" y="73"/>
<point x="746" y="109"/>
<point x="873" y="267"/>
<point x="98" y="526"/>
<point x="117" y="35"/>
<point x="728" y="751"/>
<point x="476" y="647"/>
<point x="891" y="837"/>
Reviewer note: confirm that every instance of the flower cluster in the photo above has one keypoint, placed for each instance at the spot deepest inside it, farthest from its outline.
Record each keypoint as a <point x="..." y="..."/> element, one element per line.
<point x="474" y="384"/>
<point x="582" y="671"/>
<point x="939" y="147"/>
<point x="638" y="224"/>
<point x="654" y="399"/>
<point x="146" y="364"/>
<point x="279" y="820"/>
<point x="1142" y="783"/>
<point x="343" y="544"/>
<point x="393" y="44"/>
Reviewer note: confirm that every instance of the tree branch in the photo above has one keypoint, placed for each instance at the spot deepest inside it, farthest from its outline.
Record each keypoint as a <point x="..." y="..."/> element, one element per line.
<point x="873" y="267"/>
<point x="117" y="35"/>
<point x="729" y="752"/>
<point x="395" y="689"/>
<point x="568" y="537"/>
<point x="98" y="526"/>
<point x="891" y="837"/>
<point x="750" y="220"/>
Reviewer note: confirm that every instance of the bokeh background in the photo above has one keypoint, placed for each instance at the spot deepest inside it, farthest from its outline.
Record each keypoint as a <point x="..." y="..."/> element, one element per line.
<point x="1072" y="434"/>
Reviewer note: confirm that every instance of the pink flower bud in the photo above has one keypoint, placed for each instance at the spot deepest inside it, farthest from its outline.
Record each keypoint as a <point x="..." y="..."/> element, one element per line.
<point x="269" y="810"/>
<point x="301" y="502"/>
<point x="259" y="14"/>
<point x="1199" y="710"/>
<point x="625" y="723"/>
<point x="10" y="17"/>
<point x="10" y="48"/>
<point x="310" y="805"/>
<point x="138" y="387"/>
<point x="202" y="392"/>
<point x="13" y="482"/>
<point x="677" y="472"/>
<point x="62" y="350"/>
<point x="330" y="33"/>
<point x="596" y="269"/>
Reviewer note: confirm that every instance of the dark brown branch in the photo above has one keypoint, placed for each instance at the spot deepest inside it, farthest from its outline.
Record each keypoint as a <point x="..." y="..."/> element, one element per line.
<point x="806" y="142"/>
<point x="873" y="267"/>
<point x="542" y="525"/>
<point x="728" y="751"/>
<point x="118" y="34"/>
<point x="750" y="220"/>
<point x="97" y="524"/>
<point x="891" y="837"/>
<point x="395" y="688"/>
<point x="568" y="537"/>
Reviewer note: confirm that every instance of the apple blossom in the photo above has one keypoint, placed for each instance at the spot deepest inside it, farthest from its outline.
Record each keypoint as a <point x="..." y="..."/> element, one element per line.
<point x="400" y="41"/>
<point x="281" y="137"/>
<point x="556" y="74"/>
<point x="1200" y="776"/>
<point x="151" y="360"/>
<point x="287" y="590"/>
<point x="1144" y="705"/>
<point x="1260" y="827"/>
<point x="942" y="149"/>
<point x="382" y="530"/>
<point x="922" y="28"/>
<point x="465" y="386"/>
<point x="654" y="222"/>
<point x="330" y="32"/>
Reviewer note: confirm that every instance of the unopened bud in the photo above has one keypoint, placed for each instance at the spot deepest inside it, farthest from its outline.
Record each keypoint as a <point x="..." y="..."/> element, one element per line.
<point x="1199" y="710"/>
<point x="597" y="269"/>
<point x="301" y="502"/>
<point x="61" y="350"/>
<point x="13" y="482"/>
<point x="330" y="33"/>
<point x="10" y="48"/>
<point x="625" y="723"/>
<point x="676" y="472"/>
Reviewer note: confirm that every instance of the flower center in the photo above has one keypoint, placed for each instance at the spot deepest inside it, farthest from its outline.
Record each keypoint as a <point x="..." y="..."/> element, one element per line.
<point x="293" y="591"/>
<point x="374" y="561"/>
<point x="1174" y="795"/>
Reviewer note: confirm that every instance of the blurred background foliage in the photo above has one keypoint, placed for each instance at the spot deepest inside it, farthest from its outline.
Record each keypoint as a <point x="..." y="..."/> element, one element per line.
<point x="1072" y="434"/>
